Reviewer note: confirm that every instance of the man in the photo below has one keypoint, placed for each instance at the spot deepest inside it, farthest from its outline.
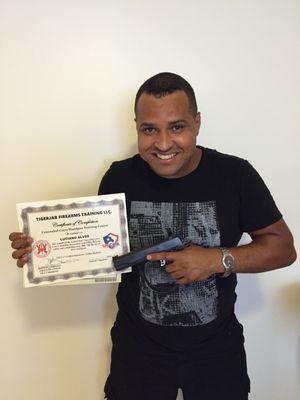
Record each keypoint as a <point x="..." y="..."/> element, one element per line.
<point x="176" y="327"/>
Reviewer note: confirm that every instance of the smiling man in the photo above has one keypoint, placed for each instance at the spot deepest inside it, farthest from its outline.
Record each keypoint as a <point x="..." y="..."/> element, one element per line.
<point x="167" y="132"/>
<point x="176" y="326"/>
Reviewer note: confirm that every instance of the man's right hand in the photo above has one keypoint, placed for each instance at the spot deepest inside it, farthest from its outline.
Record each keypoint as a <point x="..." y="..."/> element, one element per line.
<point x="22" y="245"/>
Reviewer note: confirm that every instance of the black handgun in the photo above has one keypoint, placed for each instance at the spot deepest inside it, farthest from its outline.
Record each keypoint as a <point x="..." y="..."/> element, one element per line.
<point x="138" y="256"/>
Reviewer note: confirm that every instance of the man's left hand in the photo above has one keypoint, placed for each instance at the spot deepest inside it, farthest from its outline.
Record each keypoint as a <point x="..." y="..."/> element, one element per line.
<point x="194" y="263"/>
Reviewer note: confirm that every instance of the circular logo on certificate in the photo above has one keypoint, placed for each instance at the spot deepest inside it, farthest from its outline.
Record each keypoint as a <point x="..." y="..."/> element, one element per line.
<point x="41" y="248"/>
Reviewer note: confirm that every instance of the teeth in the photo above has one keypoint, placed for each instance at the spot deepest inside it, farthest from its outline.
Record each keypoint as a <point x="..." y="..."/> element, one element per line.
<point x="165" y="156"/>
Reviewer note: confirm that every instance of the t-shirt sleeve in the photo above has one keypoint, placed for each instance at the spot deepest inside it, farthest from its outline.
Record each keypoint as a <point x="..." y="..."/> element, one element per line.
<point x="258" y="209"/>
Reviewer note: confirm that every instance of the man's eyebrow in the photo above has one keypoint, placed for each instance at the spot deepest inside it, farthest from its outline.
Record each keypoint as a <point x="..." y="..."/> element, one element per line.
<point x="147" y="124"/>
<point x="177" y="121"/>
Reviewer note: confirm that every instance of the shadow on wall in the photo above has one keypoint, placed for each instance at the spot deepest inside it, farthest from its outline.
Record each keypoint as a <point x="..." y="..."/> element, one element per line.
<point x="288" y="297"/>
<point x="126" y="124"/>
<point x="249" y="294"/>
<point x="67" y="306"/>
<point x="126" y="137"/>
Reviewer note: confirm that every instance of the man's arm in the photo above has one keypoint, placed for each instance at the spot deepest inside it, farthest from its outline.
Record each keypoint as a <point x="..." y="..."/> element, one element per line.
<point x="271" y="248"/>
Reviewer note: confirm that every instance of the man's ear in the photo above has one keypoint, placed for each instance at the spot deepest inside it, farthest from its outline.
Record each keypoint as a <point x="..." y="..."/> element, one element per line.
<point x="135" y="123"/>
<point x="198" y="121"/>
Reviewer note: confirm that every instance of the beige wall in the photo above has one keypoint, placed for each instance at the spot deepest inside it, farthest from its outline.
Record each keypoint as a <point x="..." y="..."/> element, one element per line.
<point x="68" y="76"/>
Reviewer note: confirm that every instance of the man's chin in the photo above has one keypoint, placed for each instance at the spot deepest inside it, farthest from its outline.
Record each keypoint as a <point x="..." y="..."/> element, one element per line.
<point x="165" y="172"/>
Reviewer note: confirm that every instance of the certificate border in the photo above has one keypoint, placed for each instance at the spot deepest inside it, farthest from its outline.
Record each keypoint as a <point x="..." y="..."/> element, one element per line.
<point x="73" y="206"/>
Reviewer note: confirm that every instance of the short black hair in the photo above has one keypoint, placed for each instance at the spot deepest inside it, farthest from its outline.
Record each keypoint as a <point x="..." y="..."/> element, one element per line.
<point x="166" y="83"/>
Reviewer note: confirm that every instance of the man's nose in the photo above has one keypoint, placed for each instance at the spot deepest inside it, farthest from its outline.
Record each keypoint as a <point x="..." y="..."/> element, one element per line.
<point x="164" y="140"/>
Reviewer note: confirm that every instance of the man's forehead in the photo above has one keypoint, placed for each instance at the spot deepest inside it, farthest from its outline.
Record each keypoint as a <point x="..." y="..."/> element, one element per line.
<point x="154" y="105"/>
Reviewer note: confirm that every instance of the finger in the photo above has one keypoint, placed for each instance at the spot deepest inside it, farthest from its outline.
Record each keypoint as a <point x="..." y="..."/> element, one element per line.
<point x="183" y="281"/>
<point x="177" y="275"/>
<point x="21" y="252"/>
<point x="21" y="243"/>
<point x="173" y="267"/>
<point x="161" y="256"/>
<point x="21" y="261"/>
<point x="16" y="236"/>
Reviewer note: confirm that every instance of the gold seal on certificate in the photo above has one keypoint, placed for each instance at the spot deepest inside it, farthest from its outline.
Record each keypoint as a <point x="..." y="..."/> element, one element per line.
<point x="74" y="239"/>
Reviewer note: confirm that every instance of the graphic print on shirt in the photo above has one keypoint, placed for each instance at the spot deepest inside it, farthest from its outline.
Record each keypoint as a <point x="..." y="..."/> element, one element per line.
<point x="162" y="301"/>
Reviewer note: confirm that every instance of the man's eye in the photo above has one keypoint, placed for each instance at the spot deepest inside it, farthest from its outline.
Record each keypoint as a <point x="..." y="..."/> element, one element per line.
<point x="177" y="127"/>
<point x="149" y="130"/>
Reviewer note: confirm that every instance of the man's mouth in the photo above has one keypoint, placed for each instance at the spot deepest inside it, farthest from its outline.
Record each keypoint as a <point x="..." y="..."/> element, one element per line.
<point x="165" y="156"/>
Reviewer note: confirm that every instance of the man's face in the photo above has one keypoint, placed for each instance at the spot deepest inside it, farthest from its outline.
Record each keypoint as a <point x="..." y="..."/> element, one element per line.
<point x="167" y="133"/>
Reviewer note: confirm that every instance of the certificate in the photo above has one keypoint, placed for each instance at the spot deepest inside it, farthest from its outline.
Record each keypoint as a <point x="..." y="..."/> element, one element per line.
<point x="74" y="239"/>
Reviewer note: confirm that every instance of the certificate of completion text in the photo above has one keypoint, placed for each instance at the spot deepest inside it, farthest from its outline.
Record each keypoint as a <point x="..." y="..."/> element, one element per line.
<point x="73" y="238"/>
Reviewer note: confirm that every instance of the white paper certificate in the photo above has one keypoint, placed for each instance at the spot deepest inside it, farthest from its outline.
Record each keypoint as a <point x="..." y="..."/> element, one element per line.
<point x="74" y="239"/>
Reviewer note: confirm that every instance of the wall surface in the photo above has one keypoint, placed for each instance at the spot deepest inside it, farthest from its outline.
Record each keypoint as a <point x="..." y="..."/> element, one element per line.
<point x="68" y="75"/>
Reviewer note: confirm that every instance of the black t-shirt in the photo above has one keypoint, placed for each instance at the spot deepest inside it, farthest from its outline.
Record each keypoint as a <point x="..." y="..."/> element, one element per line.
<point x="212" y="206"/>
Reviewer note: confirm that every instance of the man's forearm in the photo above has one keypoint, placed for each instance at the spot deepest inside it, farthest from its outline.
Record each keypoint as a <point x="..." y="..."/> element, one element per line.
<point x="271" y="248"/>
<point x="263" y="254"/>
